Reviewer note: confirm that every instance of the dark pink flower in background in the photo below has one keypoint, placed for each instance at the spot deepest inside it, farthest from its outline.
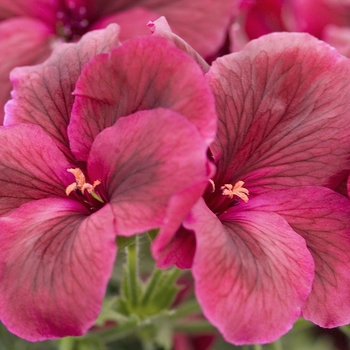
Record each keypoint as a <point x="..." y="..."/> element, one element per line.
<point x="254" y="19"/>
<point x="76" y="173"/>
<point x="263" y="259"/>
<point x="30" y="29"/>
<point x="328" y="20"/>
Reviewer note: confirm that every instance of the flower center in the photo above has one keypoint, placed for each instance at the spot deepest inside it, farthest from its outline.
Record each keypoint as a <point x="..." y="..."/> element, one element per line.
<point x="71" y="22"/>
<point x="80" y="186"/>
<point x="228" y="196"/>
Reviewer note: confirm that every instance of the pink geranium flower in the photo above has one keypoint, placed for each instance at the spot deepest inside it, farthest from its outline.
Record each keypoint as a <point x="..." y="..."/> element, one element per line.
<point x="118" y="170"/>
<point x="29" y="29"/>
<point x="270" y="240"/>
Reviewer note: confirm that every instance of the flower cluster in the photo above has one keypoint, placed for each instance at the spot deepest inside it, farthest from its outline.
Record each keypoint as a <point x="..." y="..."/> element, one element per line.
<point x="240" y="165"/>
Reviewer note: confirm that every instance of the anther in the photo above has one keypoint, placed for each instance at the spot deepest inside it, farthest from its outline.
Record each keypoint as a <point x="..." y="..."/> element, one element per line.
<point x="235" y="190"/>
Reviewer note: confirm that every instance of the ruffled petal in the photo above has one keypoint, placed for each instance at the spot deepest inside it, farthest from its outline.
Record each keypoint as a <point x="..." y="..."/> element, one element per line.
<point x="132" y="22"/>
<point x="322" y="217"/>
<point x="252" y="272"/>
<point x="43" y="94"/>
<point x="143" y="73"/>
<point x="202" y="23"/>
<point x="55" y="263"/>
<point x="279" y="123"/>
<point x="177" y="249"/>
<point x="31" y="167"/>
<point x="161" y="28"/>
<point x="141" y="173"/>
<point x="23" y="42"/>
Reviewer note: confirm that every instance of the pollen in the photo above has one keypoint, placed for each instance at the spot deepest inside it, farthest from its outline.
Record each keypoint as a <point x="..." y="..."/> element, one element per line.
<point x="80" y="182"/>
<point x="235" y="190"/>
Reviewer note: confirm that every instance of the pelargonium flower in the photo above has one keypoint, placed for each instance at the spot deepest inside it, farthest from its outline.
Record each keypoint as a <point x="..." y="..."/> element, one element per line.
<point x="73" y="181"/>
<point x="29" y="30"/>
<point x="269" y="241"/>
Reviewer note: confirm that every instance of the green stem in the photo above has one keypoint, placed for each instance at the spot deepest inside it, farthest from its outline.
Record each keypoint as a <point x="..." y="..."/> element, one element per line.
<point x="132" y="252"/>
<point x="194" y="327"/>
<point x="151" y="286"/>
<point x="188" y="308"/>
<point x="257" y="347"/>
<point x="114" y="333"/>
<point x="345" y="330"/>
<point x="147" y="345"/>
<point x="277" y="345"/>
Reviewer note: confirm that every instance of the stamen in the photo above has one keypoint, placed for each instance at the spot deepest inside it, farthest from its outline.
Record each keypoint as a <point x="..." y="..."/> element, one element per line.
<point x="80" y="183"/>
<point x="213" y="184"/>
<point x="236" y="190"/>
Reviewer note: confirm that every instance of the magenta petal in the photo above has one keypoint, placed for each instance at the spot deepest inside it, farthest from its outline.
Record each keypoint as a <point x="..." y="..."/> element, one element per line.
<point x="53" y="279"/>
<point x="322" y="217"/>
<point x="202" y="23"/>
<point x="143" y="73"/>
<point x="132" y="22"/>
<point x="339" y="38"/>
<point x="161" y="28"/>
<point x="252" y="273"/>
<point x="141" y="173"/>
<point x="279" y="123"/>
<point x="43" y="94"/>
<point x="23" y="41"/>
<point x="301" y="18"/>
<point x="179" y="251"/>
<point x="42" y="9"/>
<point x="31" y="167"/>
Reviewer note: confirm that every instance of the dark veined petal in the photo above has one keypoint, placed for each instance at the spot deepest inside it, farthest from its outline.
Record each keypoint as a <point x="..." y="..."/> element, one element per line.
<point x="31" y="167"/>
<point x="280" y="124"/>
<point x="143" y="161"/>
<point x="252" y="272"/>
<point x="322" y="218"/>
<point x="55" y="263"/>
<point x="23" y="41"/>
<point x="143" y="73"/>
<point x="42" y="94"/>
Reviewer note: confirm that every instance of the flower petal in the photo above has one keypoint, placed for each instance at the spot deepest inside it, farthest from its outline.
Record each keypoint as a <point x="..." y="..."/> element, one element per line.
<point x="141" y="173"/>
<point x="161" y="28"/>
<point x="300" y="18"/>
<point x="202" y="23"/>
<point x="322" y="217"/>
<point x="143" y="73"/>
<point x="43" y="94"/>
<point x="42" y="9"/>
<point x="338" y="37"/>
<point x="178" y="249"/>
<point x="31" y="167"/>
<point x="252" y="273"/>
<point x="23" y="41"/>
<point x="279" y="123"/>
<point x="132" y="22"/>
<point x="55" y="262"/>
